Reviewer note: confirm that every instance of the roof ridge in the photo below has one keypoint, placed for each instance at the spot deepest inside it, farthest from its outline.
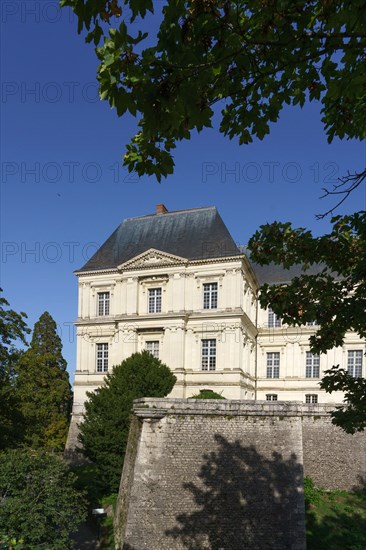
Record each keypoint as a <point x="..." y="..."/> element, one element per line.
<point x="171" y="212"/>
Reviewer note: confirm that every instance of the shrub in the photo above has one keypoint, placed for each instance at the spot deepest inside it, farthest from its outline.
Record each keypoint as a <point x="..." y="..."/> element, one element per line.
<point x="39" y="504"/>
<point x="207" y="394"/>
<point x="104" y="431"/>
<point x="312" y="495"/>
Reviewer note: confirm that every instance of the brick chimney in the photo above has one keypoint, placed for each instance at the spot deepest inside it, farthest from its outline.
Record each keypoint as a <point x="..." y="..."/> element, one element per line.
<point x="161" y="209"/>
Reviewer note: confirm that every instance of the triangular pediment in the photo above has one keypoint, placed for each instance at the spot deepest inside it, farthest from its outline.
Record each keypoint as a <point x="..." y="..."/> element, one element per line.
<point x="152" y="258"/>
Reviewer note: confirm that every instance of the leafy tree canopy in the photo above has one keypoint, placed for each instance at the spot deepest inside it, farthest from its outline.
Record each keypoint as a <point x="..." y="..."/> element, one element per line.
<point x="104" y="431"/>
<point x="39" y="504"/>
<point x="249" y="57"/>
<point x="335" y="296"/>
<point x="352" y="416"/>
<point x="43" y="388"/>
<point x="13" y="329"/>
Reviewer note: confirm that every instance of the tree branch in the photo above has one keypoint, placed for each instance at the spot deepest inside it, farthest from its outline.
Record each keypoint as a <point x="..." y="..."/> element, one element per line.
<point x="347" y="184"/>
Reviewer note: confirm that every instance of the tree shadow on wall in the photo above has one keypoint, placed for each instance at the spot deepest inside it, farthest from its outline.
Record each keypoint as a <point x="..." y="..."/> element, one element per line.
<point x="361" y="485"/>
<point x="244" y="500"/>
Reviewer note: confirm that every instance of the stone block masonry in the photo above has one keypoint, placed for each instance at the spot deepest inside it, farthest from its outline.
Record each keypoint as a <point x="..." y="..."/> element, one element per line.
<point x="218" y="475"/>
<point x="332" y="458"/>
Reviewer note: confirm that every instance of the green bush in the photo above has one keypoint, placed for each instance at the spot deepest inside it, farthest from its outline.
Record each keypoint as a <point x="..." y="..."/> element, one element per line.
<point x="104" y="431"/>
<point x="312" y="495"/>
<point x="40" y="506"/>
<point x="207" y="394"/>
<point x="10" y="543"/>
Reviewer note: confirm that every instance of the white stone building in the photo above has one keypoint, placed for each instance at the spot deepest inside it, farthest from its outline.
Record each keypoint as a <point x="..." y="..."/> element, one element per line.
<point x="176" y="284"/>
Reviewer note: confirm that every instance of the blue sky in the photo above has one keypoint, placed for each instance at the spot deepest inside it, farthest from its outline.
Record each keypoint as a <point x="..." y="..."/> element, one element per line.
<point x="63" y="187"/>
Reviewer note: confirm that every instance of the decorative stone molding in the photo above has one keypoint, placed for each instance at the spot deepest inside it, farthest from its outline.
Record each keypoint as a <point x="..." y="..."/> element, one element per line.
<point x="152" y="258"/>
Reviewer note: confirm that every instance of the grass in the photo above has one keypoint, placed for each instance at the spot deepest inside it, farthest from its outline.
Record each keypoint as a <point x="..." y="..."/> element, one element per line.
<point x="335" y="519"/>
<point x="106" y="532"/>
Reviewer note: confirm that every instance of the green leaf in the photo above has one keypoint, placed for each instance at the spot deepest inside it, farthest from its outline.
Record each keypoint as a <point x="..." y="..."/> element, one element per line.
<point x="108" y="60"/>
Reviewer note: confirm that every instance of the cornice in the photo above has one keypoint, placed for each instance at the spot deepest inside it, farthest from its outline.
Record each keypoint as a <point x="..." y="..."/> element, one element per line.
<point x="132" y="318"/>
<point x="96" y="272"/>
<point x="221" y="259"/>
<point x="173" y="261"/>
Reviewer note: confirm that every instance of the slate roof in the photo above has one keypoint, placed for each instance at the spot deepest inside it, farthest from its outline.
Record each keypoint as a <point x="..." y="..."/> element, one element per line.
<point x="276" y="274"/>
<point x="194" y="234"/>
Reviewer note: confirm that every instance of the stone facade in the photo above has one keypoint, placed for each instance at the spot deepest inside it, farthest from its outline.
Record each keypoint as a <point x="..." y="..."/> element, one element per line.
<point x="196" y="309"/>
<point x="178" y="329"/>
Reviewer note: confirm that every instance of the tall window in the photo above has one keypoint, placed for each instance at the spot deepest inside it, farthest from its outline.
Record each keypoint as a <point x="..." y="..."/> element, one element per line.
<point x="273" y="320"/>
<point x="154" y="300"/>
<point x="273" y="364"/>
<point x="102" y="357"/>
<point x="209" y="354"/>
<point x="271" y="397"/>
<point x="354" y="362"/>
<point x="103" y="303"/>
<point x="153" y="347"/>
<point x="312" y="365"/>
<point x="311" y="398"/>
<point x="210" y="296"/>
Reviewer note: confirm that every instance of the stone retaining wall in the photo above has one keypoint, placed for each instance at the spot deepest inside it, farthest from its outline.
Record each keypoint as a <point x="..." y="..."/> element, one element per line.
<point x="212" y="474"/>
<point x="332" y="458"/>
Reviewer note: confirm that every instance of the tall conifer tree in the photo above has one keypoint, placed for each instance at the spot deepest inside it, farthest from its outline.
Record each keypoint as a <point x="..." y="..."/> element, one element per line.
<point x="44" y="389"/>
